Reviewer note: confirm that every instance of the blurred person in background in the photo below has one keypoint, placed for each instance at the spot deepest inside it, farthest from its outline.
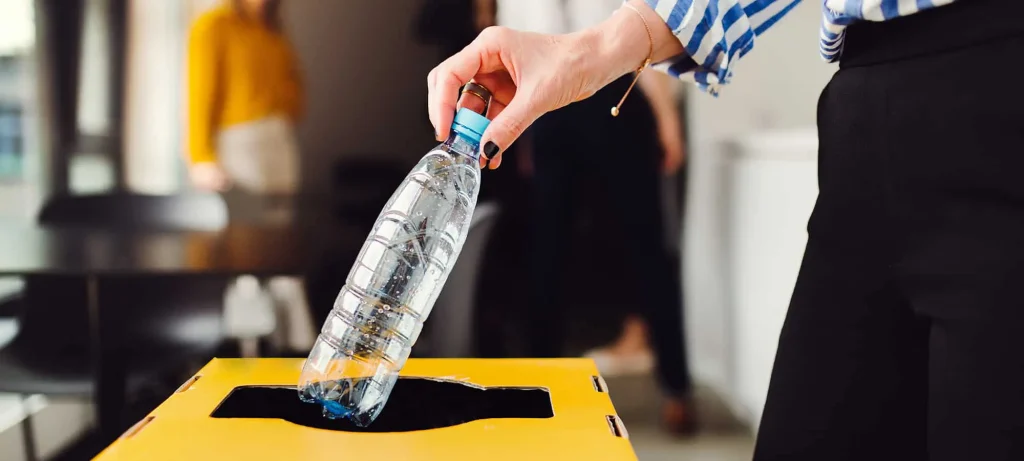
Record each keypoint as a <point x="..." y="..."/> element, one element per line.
<point x="902" y="338"/>
<point x="244" y="97"/>
<point x="627" y="157"/>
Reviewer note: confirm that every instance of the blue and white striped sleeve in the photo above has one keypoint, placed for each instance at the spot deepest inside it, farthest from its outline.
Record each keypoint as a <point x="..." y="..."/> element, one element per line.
<point x="715" y="34"/>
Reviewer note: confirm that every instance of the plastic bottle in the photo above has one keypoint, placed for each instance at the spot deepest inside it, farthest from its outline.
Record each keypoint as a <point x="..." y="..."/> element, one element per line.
<point x="396" y="279"/>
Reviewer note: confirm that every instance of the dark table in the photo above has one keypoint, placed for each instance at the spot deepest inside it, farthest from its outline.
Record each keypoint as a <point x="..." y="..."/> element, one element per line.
<point x="94" y="254"/>
<point x="234" y="250"/>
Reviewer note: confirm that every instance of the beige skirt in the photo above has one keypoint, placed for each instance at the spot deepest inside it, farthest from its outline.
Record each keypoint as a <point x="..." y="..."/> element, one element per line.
<point x="261" y="157"/>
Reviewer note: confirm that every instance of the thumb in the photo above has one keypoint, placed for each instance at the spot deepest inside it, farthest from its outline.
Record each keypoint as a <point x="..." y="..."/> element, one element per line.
<point x="507" y="126"/>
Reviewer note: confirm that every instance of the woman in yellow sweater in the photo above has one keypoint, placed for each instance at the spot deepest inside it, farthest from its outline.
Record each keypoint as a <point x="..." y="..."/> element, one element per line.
<point x="244" y="97"/>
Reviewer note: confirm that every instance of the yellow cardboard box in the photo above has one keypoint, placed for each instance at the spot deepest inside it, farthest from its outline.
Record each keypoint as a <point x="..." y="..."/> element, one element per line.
<point x="211" y="417"/>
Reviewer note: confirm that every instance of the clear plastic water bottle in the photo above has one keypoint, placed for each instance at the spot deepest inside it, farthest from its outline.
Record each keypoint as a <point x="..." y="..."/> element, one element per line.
<point x="394" y="282"/>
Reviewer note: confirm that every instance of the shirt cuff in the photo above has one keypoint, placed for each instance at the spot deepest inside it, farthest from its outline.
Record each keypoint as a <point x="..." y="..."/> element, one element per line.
<point x="710" y="50"/>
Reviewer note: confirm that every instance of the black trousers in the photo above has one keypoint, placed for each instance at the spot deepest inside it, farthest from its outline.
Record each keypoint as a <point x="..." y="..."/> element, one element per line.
<point x="905" y="335"/>
<point x="623" y="154"/>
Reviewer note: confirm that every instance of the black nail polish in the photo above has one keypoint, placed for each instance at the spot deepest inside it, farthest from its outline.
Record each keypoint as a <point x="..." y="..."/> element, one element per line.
<point x="491" y="149"/>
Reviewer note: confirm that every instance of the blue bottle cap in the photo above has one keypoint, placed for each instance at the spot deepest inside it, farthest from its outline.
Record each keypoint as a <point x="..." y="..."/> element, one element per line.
<point x="470" y="124"/>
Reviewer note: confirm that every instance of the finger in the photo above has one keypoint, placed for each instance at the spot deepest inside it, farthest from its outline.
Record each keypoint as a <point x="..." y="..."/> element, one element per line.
<point x="496" y="161"/>
<point x="481" y="56"/>
<point x="508" y="125"/>
<point x="431" y="80"/>
<point x="472" y="102"/>
<point x="501" y="86"/>
<point x="496" y="108"/>
<point x="478" y="104"/>
<point x="475" y="103"/>
<point x="444" y="104"/>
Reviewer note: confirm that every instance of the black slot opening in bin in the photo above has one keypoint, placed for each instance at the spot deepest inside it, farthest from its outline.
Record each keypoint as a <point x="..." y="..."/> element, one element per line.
<point x="415" y="404"/>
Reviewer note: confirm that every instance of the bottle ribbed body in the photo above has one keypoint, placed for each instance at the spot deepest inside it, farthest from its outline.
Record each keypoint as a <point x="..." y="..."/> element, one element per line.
<point x="393" y="285"/>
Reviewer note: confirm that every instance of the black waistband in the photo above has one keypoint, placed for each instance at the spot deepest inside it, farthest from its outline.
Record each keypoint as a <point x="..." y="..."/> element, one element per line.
<point x="961" y="24"/>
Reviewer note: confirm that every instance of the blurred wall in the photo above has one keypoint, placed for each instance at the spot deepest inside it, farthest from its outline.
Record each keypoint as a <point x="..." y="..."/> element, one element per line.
<point x="153" y="96"/>
<point x="775" y="88"/>
<point x="365" y="78"/>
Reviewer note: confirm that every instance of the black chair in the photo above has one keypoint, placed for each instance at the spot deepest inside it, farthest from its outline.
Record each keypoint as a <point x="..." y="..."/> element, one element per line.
<point x="448" y="332"/>
<point x="127" y="212"/>
<point x="10" y="298"/>
<point x="157" y="325"/>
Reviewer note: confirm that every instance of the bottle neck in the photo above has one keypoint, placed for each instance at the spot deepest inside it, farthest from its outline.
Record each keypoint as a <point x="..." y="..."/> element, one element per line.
<point x="462" y="145"/>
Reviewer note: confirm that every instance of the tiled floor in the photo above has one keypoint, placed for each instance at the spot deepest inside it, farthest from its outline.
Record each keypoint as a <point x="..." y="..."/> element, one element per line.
<point x="721" y="437"/>
<point x="652" y="447"/>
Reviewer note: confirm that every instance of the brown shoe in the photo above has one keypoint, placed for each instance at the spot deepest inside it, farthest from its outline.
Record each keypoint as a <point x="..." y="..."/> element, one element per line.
<point x="678" y="417"/>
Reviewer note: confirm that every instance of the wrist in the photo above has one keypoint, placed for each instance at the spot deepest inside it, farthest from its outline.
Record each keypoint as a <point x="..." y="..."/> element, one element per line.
<point x="617" y="46"/>
<point x="624" y="39"/>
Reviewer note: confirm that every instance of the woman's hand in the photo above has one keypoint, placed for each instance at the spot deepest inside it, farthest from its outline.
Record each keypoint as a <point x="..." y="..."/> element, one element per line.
<point x="531" y="74"/>
<point x="674" y="148"/>
<point x="661" y="92"/>
<point x="208" y="176"/>
<point x="528" y="74"/>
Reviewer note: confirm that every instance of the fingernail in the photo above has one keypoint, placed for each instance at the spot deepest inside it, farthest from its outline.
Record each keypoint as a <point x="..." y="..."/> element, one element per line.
<point x="491" y="149"/>
<point x="495" y="163"/>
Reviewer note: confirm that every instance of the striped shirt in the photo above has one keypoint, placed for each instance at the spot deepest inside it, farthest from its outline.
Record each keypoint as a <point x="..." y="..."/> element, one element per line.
<point x="717" y="33"/>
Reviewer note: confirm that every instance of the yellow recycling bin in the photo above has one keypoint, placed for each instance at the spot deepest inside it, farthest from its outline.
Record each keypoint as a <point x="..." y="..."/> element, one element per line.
<point x="441" y="409"/>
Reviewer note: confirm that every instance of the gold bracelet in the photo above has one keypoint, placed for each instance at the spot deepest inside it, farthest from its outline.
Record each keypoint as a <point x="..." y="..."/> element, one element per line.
<point x="647" y="62"/>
